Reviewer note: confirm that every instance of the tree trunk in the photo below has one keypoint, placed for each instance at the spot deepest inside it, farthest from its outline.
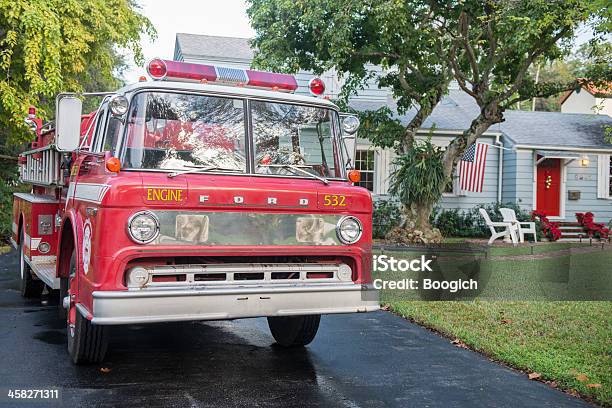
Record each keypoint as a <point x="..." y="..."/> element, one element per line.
<point x="415" y="225"/>
<point x="489" y="115"/>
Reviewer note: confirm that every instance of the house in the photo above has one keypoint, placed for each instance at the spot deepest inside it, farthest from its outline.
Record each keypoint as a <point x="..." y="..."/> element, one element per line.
<point x="588" y="98"/>
<point x="551" y="161"/>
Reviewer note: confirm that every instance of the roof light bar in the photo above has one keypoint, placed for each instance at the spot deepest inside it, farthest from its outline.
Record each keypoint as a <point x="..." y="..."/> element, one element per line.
<point x="160" y="69"/>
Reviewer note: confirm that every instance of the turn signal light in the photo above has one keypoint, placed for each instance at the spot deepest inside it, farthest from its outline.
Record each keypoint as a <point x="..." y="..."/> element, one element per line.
<point x="113" y="165"/>
<point x="354" y="176"/>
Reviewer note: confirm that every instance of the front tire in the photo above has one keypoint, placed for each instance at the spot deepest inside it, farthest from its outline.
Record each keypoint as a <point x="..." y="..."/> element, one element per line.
<point x="294" y="331"/>
<point x="30" y="287"/>
<point x="87" y="342"/>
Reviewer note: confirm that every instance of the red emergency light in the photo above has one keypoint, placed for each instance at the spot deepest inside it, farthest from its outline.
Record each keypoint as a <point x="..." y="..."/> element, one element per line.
<point x="160" y="69"/>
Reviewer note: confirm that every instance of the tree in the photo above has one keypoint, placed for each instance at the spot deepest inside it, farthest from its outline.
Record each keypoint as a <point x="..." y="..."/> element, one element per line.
<point x="352" y="38"/>
<point x="488" y="46"/>
<point x="491" y="45"/>
<point x="48" y="46"/>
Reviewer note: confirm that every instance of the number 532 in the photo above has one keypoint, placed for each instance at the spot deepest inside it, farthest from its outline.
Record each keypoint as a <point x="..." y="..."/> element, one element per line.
<point x="334" y="200"/>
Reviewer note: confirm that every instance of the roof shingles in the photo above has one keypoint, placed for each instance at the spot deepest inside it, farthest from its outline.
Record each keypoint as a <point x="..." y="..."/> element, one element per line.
<point x="457" y="110"/>
<point x="214" y="46"/>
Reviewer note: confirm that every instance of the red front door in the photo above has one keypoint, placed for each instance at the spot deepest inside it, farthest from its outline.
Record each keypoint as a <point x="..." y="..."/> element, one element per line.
<point x="548" y="193"/>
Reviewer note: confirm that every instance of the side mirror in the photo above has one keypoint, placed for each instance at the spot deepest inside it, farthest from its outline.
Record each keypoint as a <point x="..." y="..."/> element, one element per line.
<point x="68" y="123"/>
<point x="350" y="124"/>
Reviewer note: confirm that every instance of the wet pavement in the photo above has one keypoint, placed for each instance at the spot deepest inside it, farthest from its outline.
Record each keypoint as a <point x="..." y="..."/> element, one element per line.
<point x="360" y="360"/>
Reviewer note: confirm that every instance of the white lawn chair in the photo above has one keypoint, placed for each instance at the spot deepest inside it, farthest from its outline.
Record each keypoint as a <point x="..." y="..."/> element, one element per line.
<point x="523" y="227"/>
<point x="509" y="228"/>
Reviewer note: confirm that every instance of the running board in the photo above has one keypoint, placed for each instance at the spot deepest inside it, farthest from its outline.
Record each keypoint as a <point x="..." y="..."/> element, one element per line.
<point x="44" y="268"/>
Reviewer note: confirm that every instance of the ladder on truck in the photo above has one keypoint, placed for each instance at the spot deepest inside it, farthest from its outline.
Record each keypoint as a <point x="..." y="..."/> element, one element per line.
<point x="42" y="167"/>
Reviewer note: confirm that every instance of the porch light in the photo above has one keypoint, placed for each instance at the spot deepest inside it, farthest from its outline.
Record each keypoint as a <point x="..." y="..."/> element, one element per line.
<point x="584" y="161"/>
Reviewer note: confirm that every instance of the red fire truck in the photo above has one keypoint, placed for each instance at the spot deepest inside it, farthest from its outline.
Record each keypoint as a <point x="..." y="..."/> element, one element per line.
<point x="209" y="193"/>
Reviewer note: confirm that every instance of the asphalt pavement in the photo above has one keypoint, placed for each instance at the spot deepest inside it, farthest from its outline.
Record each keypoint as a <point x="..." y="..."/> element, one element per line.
<point x="359" y="360"/>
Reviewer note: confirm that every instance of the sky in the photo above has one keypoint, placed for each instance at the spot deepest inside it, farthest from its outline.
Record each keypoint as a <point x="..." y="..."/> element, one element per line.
<point x="225" y="18"/>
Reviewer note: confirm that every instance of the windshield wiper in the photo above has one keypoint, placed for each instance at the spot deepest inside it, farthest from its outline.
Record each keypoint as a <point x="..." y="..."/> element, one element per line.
<point x="199" y="169"/>
<point x="299" y="169"/>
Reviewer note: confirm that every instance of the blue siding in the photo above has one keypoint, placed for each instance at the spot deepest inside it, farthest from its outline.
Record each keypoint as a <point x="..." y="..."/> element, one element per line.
<point x="523" y="182"/>
<point x="509" y="177"/>
<point x="584" y="179"/>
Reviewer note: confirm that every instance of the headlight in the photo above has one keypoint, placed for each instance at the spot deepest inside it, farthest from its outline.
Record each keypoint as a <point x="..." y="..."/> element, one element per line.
<point x="349" y="230"/>
<point x="143" y="227"/>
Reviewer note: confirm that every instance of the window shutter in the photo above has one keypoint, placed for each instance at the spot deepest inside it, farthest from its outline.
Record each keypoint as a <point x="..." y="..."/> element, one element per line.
<point x="603" y="175"/>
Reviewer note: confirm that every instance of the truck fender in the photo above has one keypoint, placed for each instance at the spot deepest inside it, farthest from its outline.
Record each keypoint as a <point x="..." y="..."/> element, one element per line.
<point x="20" y="228"/>
<point x="70" y="236"/>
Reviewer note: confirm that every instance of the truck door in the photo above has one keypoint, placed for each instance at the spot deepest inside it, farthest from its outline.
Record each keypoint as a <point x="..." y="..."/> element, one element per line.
<point x="88" y="185"/>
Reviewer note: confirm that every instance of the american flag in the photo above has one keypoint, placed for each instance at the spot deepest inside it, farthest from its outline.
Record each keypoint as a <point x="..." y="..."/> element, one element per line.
<point x="471" y="168"/>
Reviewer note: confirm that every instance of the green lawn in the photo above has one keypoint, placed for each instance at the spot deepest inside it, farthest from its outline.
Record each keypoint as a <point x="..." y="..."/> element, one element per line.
<point x="569" y="343"/>
<point x="566" y="342"/>
<point x="531" y="249"/>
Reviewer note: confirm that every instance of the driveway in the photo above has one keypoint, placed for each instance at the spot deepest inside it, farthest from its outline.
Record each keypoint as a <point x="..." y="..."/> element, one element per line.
<point x="360" y="360"/>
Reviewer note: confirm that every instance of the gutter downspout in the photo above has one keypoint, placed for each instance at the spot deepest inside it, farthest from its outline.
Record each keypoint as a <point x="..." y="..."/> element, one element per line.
<point x="500" y="167"/>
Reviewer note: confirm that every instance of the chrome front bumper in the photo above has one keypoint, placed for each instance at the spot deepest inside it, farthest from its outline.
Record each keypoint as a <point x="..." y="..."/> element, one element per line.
<point x="221" y="303"/>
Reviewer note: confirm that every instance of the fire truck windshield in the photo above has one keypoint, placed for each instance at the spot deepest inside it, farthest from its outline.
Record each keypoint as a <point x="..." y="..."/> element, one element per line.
<point x="178" y="131"/>
<point x="293" y="135"/>
<point x="175" y="131"/>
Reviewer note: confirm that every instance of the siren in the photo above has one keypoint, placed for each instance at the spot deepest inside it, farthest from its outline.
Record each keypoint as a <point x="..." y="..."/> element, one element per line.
<point x="160" y="69"/>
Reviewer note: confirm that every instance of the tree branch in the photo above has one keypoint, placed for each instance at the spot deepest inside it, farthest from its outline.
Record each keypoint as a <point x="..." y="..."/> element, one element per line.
<point x="523" y="70"/>
<point x="568" y="87"/>
<point x="464" y="27"/>
<point x="459" y="75"/>
<point x="405" y="85"/>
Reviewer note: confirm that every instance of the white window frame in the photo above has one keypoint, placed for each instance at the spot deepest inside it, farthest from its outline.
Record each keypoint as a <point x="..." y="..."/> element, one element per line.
<point x="603" y="176"/>
<point x="374" y="170"/>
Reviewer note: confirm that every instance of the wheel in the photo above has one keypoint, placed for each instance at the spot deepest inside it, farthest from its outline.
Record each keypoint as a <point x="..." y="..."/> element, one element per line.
<point x="294" y="331"/>
<point x="87" y="343"/>
<point x="30" y="287"/>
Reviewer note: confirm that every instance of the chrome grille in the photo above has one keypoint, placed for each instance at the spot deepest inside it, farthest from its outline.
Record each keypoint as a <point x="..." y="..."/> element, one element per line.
<point x="173" y="276"/>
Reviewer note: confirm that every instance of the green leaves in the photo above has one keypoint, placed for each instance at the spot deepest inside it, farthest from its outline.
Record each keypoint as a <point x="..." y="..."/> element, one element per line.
<point x="49" y="46"/>
<point x="419" y="174"/>
<point x="351" y="37"/>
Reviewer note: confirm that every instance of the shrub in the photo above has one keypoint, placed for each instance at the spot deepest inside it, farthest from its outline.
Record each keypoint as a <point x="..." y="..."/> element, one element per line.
<point x="9" y="183"/>
<point x="549" y="229"/>
<point x="592" y="228"/>
<point x="387" y="215"/>
<point x="469" y="223"/>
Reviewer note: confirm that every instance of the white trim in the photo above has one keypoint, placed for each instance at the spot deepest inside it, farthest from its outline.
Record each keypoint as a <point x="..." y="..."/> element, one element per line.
<point x="90" y="192"/>
<point x="603" y="176"/>
<point x="562" y="187"/>
<point x="227" y="91"/>
<point x="563" y="148"/>
<point x="425" y="131"/>
<point x="378" y="166"/>
<point x="563" y="190"/>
